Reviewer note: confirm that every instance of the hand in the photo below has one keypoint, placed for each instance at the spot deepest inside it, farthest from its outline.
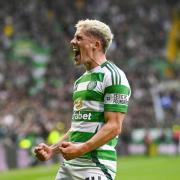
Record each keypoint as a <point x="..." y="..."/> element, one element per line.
<point x="70" y="150"/>
<point x="43" y="152"/>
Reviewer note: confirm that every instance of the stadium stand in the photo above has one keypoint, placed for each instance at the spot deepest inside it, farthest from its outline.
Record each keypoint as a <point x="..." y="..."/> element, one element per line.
<point x="37" y="73"/>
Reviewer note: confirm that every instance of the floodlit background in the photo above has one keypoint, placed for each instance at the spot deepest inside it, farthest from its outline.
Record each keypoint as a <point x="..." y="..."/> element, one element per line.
<point x="37" y="74"/>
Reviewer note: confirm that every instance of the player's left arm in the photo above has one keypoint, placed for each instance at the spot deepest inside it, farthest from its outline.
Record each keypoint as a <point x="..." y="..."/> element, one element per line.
<point x="111" y="129"/>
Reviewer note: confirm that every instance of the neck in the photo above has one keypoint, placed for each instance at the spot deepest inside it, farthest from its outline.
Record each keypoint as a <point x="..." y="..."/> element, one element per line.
<point x="94" y="62"/>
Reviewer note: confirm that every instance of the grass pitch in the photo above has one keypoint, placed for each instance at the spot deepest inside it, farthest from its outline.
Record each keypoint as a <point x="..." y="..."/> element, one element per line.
<point x="129" y="168"/>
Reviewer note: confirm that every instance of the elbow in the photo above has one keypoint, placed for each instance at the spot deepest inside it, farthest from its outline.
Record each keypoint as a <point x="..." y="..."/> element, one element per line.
<point x="116" y="131"/>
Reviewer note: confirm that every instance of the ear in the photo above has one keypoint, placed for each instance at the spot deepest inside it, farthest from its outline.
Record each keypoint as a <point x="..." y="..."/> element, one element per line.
<point x="97" y="44"/>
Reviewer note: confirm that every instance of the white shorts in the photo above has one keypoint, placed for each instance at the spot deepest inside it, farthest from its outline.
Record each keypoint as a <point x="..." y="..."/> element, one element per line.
<point x="82" y="173"/>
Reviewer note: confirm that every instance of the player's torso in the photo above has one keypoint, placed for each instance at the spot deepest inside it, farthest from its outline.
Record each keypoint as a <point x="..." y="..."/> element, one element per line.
<point x="89" y="92"/>
<point x="88" y="98"/>
<point x="93" y="92"/>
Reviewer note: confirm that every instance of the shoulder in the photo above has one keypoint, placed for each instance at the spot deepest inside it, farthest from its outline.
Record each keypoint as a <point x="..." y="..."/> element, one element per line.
<point x="79" y="79"/>
<point x="114" y="75"/>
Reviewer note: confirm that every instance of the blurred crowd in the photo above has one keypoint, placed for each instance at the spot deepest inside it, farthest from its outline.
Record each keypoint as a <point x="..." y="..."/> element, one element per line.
<point x="37" y="71"/>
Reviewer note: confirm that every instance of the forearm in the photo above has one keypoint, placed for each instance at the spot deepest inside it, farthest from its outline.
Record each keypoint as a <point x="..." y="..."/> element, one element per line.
<point x="103" y="136"/>
<point x="55" y="147"/>
<point x="110" y="130"/>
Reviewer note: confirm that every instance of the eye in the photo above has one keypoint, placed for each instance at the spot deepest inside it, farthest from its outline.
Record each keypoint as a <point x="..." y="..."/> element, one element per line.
<point x="79" y="37"/>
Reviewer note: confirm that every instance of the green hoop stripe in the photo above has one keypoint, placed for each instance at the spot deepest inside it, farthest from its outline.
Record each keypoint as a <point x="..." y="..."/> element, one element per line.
<point x="113" y="142"/>
<point x="115" y="108"/>
<point x="103" y="155"/>
<point x="88" y="95"/>
<point x="118" y="89"/>
<point x="81" y="137"/>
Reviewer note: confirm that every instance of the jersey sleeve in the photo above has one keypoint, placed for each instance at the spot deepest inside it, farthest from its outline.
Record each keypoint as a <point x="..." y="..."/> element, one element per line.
<point x="116" y="95"/>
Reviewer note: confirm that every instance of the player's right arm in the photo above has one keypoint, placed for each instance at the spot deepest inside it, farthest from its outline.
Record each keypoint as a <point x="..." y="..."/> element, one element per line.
<point x="44" y="152"/>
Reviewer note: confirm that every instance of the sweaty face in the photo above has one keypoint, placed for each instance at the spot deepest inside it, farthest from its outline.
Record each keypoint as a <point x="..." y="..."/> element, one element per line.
<point x="82" y="46"/>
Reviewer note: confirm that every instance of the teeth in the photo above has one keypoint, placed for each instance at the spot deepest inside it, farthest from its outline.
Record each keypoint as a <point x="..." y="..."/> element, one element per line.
<point x="75" y="50"/>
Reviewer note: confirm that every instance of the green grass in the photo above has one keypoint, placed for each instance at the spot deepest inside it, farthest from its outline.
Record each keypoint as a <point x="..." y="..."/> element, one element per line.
<point x="129" y="168"/>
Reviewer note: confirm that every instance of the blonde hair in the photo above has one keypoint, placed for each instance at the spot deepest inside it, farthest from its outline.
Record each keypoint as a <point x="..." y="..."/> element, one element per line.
<point x="97" y="29"/>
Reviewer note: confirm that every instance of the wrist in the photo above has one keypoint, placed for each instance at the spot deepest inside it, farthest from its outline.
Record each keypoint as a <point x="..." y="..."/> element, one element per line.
<point x="54" y="150"/>
<point x="85" y="148"/>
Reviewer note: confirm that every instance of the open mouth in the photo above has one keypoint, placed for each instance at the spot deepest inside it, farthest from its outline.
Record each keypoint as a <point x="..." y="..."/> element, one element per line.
<point x="76" y="53"/>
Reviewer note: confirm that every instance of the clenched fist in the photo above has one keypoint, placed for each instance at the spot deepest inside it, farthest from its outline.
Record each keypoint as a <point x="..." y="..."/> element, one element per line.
<point x="43" y="152"/>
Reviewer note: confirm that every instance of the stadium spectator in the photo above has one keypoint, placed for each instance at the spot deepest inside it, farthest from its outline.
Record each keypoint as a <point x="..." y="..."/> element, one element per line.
<point x="142" y="32"/>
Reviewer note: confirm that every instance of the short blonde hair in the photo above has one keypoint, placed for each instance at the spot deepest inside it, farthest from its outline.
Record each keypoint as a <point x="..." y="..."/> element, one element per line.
<point x="97" y="29"/>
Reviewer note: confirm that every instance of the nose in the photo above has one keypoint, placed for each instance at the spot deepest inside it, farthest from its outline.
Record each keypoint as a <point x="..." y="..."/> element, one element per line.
<point x="73" y="41"/>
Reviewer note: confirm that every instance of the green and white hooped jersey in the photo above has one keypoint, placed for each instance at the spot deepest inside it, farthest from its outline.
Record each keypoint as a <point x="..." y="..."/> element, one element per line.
<point x="102" y="89"/>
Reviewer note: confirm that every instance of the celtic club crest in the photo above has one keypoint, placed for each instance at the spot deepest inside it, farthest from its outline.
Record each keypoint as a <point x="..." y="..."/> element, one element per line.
<point x="91" y="85"/>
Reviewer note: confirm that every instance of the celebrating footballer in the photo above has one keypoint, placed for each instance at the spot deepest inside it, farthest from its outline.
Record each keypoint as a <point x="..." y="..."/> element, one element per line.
<point x="100" y="99"/>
